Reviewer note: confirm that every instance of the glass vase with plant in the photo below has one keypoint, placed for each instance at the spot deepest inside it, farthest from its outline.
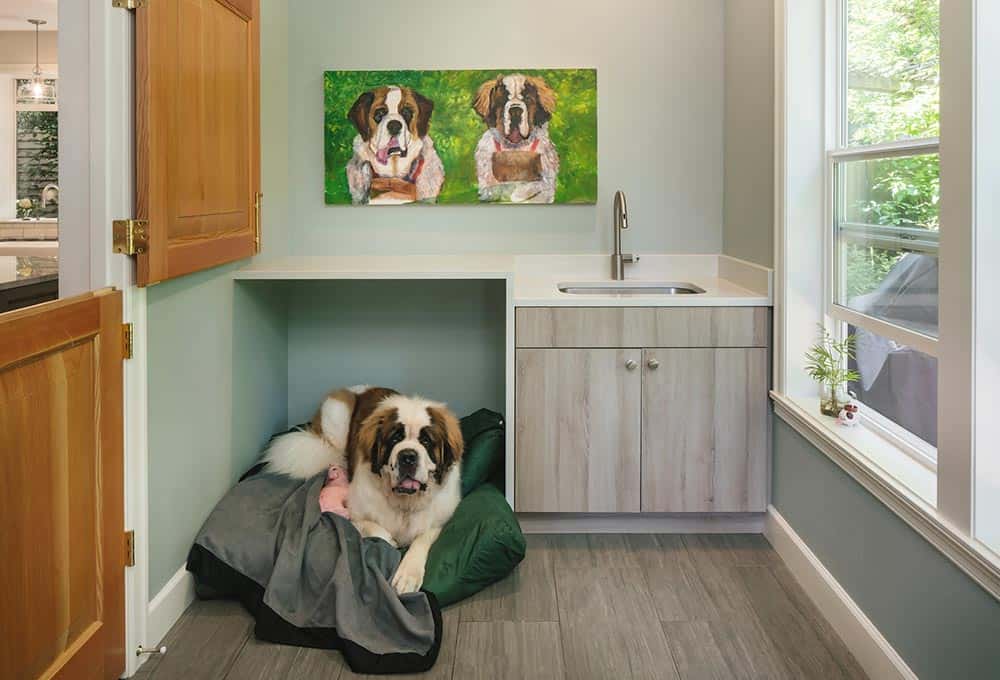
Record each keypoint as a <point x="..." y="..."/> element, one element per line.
<point x="826" y="363"/>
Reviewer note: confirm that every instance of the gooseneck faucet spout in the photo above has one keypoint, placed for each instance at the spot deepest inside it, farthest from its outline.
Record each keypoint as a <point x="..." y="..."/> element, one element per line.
<point x="619" y="224"/>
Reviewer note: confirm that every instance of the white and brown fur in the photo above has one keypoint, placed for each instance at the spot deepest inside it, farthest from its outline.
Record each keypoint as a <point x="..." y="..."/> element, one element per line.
<point x="516" y="109"/>
<point x="366" y="429"/>
<point x="393" y="140"/>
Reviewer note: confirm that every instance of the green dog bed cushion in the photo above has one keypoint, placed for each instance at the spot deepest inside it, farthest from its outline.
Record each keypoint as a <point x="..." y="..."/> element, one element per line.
<point x="480" y="545"/>
<point x="482" y="542"/>
<point x="484" y="450"/>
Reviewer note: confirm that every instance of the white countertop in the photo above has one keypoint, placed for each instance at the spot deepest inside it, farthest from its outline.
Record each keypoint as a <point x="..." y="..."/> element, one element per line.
<point x="533" y="280"/>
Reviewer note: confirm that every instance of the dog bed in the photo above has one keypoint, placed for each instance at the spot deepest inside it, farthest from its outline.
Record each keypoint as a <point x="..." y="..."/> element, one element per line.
<point x="310" y="579"/>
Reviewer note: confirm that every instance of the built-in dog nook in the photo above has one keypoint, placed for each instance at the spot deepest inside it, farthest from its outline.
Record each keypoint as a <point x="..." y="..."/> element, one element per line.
<point x="439" y="339"/>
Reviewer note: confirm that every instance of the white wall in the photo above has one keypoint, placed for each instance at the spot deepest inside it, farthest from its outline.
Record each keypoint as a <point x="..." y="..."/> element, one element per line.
<point x="18" y="47"/>
<point x="660" y="119"/>
<point x="748" y="212"/>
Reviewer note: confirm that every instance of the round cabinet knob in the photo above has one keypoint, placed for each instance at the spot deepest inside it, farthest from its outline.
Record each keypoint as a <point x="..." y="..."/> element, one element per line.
<point x="631" y="364"/>
<point x="653" y="364"/>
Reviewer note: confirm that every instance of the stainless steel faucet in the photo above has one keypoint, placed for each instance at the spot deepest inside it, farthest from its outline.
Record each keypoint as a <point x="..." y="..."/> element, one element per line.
<point x="620" y="223"/>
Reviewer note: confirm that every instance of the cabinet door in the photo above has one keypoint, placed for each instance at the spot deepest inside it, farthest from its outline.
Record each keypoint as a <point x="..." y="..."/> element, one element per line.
<point x="62" y="490"/>
<point x="197" y="134"/>
<point x="704" y="430"/>
<point x="577" y="415"/>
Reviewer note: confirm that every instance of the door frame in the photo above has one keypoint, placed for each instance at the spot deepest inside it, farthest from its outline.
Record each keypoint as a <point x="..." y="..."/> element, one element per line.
<point x="97" y="148"/>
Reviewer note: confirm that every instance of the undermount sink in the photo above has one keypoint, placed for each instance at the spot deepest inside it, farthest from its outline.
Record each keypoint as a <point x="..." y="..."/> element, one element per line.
<point x="630" y="288"/>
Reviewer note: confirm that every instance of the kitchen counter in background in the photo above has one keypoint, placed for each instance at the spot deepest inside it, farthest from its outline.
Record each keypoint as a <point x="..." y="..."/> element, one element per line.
<point x="44" y="229"/>
<point x="533" y="279"/>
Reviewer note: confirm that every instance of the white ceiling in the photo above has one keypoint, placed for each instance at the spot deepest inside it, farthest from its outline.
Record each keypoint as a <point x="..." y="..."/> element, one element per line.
<point x="14" y="14"/>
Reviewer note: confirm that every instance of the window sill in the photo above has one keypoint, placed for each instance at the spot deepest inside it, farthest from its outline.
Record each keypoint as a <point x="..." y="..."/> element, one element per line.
<point x="889" y="474"/>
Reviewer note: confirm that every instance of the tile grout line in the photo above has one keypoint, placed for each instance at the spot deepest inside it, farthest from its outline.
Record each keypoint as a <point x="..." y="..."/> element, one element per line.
<point x="649" y="594"/>
<point x="559" y="623"/>
<point x="794" y="602"/>
<point x="236" y="656"/>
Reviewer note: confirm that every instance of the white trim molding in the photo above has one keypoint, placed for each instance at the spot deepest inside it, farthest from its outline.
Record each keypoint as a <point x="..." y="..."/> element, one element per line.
<point x="168" y="605"/>
<point x="875" y="654"/>
<point x="920" y="516"/>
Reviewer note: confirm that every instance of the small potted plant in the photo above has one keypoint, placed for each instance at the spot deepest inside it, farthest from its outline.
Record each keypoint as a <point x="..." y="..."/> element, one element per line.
<point x="826" y="363"/>
<point x="24" y="208"/>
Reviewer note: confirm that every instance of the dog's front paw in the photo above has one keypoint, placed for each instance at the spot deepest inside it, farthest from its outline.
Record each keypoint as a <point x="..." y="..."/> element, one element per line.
<point x="409" y="577"/>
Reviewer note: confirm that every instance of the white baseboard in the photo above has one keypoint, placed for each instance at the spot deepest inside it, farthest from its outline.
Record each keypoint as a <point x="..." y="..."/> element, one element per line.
<point x="168" y="605"/>
<point x="584" y="523"/>
<point x="870" y="648"/>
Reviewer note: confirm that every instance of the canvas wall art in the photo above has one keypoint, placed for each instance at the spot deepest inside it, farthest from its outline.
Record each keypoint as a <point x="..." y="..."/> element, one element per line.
<point x="511" y="136"/>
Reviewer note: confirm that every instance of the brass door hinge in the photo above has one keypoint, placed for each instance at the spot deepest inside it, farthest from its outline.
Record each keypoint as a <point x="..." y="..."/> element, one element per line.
<point x="257" y="200"/>
<point x="130" y="548"/>
<point x="129" y="237"/>
<point x="126" y="340"/>
<point x="128" y="4"/>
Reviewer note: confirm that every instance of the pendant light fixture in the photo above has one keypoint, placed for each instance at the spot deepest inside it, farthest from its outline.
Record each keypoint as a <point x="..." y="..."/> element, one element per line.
<point x="37" y="88"/>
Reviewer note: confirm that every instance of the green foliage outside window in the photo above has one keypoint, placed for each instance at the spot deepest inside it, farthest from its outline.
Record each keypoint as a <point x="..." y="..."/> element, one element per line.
<point x="893" y="64"/>
<point x="37" y="158"/>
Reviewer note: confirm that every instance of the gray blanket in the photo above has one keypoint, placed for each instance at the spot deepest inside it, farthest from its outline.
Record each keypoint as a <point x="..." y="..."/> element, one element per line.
<point x="312" y="573"/>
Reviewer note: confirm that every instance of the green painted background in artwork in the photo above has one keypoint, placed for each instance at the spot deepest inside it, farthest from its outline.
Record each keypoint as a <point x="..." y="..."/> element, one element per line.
<point x="456" y="128"/>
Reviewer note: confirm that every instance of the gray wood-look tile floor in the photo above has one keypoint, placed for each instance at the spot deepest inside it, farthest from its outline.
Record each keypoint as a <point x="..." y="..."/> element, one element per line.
<point x="578" y="607"/>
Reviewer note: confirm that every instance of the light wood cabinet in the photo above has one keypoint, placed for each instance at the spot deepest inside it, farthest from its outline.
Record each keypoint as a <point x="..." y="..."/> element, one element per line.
<point x="608" y="423"/>
<point x="704" y="430"/>
<point x="577" y="430"/>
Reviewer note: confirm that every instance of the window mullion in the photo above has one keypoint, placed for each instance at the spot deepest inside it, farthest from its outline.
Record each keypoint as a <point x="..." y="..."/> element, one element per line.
<point x="956" y="374"/>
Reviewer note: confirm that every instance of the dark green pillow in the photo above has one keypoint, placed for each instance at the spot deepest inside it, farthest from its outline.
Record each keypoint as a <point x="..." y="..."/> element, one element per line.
<point x="483" y="432"/>
<point x="480" y="544"/>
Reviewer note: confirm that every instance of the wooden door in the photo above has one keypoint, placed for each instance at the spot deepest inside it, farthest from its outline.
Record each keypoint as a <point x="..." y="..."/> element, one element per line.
<point x="577" y="430"/>
<point x="197" y="134"/>
<point x="704" y="430"/>
<point x="62" y="602"/>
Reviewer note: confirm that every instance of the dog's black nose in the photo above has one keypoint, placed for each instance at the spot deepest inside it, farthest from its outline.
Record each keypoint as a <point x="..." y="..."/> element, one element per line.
<point x="516" y="112"/>
<point x="394" y="127"/>
<point x="407" y="459"/>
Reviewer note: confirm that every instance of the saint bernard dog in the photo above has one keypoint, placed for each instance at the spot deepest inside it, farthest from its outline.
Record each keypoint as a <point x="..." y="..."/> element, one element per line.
<point x="516" y="161"/>
<point x="403" y="457"/>
<point x="394" y="159"/>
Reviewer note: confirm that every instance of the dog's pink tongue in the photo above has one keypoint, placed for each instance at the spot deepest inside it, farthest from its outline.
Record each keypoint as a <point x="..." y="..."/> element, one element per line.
<point x="383" y="153"/>
<point x="409" y="484"/>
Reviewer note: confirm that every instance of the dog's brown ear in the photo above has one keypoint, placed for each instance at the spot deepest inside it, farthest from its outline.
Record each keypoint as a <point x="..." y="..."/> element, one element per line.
<point x="546" y="98"/>
<point x="483" y="103"/>
<point x="359" y="114"/>
<point x="452" y="443"/>
<point x="425" y="107"/>
<point x="369" y="442"/>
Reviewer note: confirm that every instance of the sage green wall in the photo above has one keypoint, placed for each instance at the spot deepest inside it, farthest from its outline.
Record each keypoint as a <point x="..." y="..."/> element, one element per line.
<point x="748" y="195"/>
<point x="442" y="339"/>
<point x="660" y="119"/>
<point x="937" y="618"/>
<point x="217" y="353"/>
<point x="208" y="414"/>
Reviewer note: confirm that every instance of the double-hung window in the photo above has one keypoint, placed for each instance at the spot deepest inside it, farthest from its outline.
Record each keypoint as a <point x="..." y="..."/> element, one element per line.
<point x="883" y="213"/>
<point x="887" y="230"/>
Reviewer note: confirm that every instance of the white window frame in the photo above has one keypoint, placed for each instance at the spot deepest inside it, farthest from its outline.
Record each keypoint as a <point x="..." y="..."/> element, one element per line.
<point x="807" y="76"/>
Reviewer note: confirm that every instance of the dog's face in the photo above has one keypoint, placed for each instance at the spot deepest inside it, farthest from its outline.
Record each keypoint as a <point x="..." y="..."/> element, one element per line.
<point x="410" y="444"/>
<point x="392" y="121"/>
<point x="515" y="104"/>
